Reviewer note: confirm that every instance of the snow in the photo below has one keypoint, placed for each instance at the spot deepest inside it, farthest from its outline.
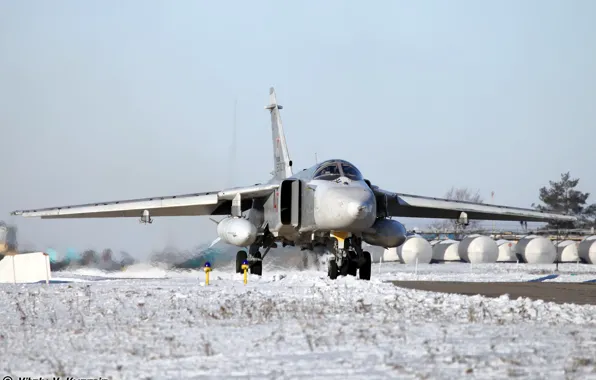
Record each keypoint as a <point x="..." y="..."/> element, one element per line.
<point x="153" y="323"/>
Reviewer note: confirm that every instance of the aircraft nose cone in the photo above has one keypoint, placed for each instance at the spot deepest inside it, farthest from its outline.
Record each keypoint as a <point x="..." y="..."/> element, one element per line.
<point x="345" y="208"/>
<point x="358" y="210"/>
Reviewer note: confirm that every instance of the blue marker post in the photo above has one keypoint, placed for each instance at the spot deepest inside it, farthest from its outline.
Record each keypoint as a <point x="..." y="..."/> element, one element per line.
<point x="245" y="268"/>
<point x="207" y="269"/>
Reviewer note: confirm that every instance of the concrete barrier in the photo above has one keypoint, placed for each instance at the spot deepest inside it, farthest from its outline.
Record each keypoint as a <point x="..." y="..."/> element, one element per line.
<point x="25" y="268"/>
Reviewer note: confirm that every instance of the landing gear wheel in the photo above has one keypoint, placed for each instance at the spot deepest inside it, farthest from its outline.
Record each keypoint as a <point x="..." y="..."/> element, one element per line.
<point x="332" y="270"/>
<point x="365" y="269"/>
<point x="349" y="265"/>
<point x="257" y="266"/>
<point x="240" y="257"/>
<point x="344" y="269"/>
<point x="352" y="268"/>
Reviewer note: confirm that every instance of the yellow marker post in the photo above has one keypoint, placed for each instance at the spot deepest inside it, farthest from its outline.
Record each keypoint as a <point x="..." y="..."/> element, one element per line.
<point x="245" y="268"/>
<point x="207" y="269"/>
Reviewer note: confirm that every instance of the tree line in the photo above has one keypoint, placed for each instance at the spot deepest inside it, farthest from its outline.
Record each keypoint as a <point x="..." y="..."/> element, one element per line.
<point x="559" y="196"/>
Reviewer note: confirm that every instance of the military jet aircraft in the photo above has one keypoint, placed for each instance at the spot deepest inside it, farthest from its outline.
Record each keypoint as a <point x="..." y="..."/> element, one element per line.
<point x="329" y="208"/>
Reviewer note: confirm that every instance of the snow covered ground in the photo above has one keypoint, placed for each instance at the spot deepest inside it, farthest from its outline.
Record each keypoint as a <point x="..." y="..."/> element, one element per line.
<point x="151" y="323"/>
<point x="386" y="271"/>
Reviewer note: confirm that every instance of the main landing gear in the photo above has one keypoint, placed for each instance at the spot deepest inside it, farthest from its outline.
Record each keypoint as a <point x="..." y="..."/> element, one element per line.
<point x="254" y="258"/>
<point x="349" y="259"/>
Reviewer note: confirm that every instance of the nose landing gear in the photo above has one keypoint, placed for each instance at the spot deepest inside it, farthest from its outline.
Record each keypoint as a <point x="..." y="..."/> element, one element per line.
<point x="349" y="260"/>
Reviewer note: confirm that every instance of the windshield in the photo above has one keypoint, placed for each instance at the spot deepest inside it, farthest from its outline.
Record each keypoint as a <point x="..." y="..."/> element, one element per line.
<point x="328" y="172"/>
<point x="351" y="172"/>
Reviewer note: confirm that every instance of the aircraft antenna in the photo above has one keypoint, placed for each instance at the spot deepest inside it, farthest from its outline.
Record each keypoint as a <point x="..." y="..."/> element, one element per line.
<point x="233" y="148"/>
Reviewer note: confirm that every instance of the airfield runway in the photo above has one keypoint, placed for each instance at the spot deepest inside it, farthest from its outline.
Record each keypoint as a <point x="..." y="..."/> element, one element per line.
<point x="558" y="292"/>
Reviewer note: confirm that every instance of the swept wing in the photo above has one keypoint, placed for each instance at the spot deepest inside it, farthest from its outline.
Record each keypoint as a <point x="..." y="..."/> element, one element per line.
<point x="416" y="206"/>
<point x="207" y="203"/>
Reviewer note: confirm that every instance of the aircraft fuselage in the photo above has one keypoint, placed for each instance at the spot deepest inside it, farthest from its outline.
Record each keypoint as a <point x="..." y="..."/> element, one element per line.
<point x="330" y="196"/>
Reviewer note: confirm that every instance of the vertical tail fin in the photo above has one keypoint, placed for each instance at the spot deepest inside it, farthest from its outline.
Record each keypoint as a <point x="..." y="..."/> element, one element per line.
<point x="281" y="157"/>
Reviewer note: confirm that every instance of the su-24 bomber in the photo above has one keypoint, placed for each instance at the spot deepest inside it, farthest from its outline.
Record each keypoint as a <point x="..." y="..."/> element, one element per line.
<point x="329" y="208"/>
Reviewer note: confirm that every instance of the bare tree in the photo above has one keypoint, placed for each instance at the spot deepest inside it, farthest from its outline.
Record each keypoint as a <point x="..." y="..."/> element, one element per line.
<point x="451" y="226"/>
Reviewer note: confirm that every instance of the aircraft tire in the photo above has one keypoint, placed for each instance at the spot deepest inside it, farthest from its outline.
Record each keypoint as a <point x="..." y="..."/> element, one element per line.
<point x="365" y="269"/>
<point x="240" y="257"/>
<point x="348" y="267"/>
<point x="332" y="270"/>
<point x="257" y="266"/>
<point x="352" y="268"/>
<point x="345" y="267"/>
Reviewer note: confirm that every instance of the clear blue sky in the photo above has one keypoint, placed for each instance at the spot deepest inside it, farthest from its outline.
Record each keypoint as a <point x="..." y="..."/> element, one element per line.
<point x="117" y="100"/>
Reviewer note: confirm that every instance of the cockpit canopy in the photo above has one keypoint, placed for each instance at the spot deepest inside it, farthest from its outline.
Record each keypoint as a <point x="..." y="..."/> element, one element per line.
<point x="331" y="170"/>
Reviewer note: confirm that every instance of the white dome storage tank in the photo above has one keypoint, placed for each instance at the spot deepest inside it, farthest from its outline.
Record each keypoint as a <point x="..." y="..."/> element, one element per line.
<point x="446" y="250"/>
<point x="506" y="251"/>
<point x="477" y="249"/>
<point x="536" y="250"/>
<point x="567" y="251"/>
<point x="587" y="250"/>
<point x="376" y="252"/>
<point x="414" y="247"/>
